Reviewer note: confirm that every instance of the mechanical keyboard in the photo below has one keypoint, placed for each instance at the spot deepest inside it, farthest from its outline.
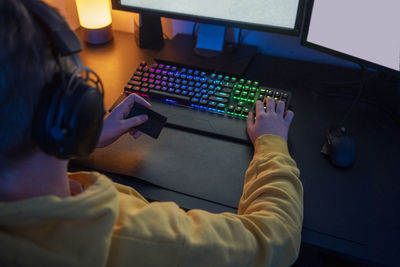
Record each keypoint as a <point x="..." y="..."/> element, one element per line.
<point x="226" y="100"/>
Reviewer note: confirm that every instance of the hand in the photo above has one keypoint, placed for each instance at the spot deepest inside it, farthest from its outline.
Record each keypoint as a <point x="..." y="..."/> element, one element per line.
<point x="116" y="124"/>
<point x="270" y="121"/>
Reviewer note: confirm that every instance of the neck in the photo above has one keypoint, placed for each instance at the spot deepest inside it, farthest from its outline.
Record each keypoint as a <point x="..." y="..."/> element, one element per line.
<point x="39" y="175"/>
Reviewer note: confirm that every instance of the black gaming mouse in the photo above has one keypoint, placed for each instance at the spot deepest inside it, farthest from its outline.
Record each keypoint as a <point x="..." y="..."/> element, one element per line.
<point x="340" y="147"/>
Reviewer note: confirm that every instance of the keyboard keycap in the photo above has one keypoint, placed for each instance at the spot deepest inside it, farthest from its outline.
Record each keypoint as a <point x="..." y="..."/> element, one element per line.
<point x="203" y="102"/>
<point x="223" y="95"/>
<point x="135" y="83"/>
<point x="221" y="106"/>
<point x="227" y="90"/>
<point x="194" y="100"/>
<point x="218" y="99"/>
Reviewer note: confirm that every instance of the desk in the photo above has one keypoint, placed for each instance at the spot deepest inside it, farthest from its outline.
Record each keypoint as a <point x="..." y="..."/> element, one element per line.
<point x="352" y="211"/>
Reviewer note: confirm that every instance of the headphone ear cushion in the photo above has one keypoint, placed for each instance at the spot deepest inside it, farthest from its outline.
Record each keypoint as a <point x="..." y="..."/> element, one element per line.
<point x="47" y="111"/>
<point x="83" y="120"/>
<point x="69" y="121"/>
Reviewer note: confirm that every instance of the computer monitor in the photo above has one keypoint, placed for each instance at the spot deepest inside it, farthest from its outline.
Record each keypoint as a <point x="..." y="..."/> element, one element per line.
<point x="364" y="31"/>
<point x="282" y="16"/>
<point x="279" y="16"/>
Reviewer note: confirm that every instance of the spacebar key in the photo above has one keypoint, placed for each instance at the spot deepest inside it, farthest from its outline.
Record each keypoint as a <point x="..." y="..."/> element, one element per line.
<point x="164" y="95"/>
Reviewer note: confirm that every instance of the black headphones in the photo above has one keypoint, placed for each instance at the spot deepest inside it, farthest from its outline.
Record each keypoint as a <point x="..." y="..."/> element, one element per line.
<point x="70" y="114"/>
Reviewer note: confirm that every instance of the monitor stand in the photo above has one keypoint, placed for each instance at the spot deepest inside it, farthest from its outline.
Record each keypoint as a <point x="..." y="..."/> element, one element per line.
<point x="234" y="59"/>
<point x="210" y="40"/>
<point x="208" y="51"/>
<point x="148" y="31"/>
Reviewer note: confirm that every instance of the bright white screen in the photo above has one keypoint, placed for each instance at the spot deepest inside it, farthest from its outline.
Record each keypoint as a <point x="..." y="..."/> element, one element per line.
<point x="366" y="29"/>
<point x="277" y="13"/>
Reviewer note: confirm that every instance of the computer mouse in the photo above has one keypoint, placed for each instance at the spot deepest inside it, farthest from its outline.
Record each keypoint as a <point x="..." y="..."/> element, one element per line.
<point x="340" y="147"/>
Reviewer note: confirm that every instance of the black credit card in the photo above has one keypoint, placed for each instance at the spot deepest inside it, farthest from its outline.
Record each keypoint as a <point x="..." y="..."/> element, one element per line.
<point x="153" y="125"/>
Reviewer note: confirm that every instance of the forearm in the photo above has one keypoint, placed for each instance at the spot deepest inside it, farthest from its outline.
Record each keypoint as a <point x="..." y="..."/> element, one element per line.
<point x="265" y="232"/>
<point x="272" y="198"/>
<point x="267" y="229"/>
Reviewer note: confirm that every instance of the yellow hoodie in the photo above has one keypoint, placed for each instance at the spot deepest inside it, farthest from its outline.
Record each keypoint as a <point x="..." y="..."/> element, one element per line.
<point x="113" y="225"/>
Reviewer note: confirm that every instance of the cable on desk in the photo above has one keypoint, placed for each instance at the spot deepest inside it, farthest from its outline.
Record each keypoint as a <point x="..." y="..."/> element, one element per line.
<point x="357" y="98"/>
<point x="389" y="112"/>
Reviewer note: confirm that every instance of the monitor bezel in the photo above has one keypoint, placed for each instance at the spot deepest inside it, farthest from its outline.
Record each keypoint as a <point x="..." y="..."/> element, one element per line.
<point x="306" y="26"/>
<point x="116" y="4"/>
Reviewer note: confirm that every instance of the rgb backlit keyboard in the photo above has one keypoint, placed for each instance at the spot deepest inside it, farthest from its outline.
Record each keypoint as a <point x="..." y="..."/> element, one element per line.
<point x="207" y="91"/>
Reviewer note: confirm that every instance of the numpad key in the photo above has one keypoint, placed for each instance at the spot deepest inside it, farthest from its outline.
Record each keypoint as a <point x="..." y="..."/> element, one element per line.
<point x="206" y="91"/>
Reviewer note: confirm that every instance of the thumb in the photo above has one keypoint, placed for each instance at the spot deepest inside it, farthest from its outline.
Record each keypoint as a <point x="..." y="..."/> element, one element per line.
<point x="133" y="122"/>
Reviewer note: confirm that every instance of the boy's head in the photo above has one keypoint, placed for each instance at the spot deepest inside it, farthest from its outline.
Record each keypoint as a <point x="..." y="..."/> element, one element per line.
<point x="26" y="64"/>
<point x="49" y="100"/>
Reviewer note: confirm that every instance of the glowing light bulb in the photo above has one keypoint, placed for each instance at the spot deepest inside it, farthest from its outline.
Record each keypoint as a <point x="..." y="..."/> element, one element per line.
<point x="95" y="19"/>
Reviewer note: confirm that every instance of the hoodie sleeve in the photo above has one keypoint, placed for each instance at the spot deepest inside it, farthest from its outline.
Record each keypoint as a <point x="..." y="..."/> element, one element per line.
<point x="265" y="232"/>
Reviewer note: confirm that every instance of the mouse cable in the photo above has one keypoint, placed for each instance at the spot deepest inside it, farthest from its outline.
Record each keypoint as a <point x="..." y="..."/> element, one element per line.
<point x="357" y="98"/>
<point x="363" y="81"/>
<point x="389" y="112"/>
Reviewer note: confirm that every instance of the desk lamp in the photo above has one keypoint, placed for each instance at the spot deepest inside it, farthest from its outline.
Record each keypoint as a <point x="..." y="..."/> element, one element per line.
<point x="95" y="20"/>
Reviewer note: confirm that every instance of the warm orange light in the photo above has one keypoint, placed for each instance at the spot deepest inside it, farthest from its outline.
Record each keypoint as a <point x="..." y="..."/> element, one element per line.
<point x="94" y="14"/>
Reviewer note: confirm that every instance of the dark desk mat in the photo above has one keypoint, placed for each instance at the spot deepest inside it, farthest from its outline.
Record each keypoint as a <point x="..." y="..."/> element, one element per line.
<point x="203" y="167"/>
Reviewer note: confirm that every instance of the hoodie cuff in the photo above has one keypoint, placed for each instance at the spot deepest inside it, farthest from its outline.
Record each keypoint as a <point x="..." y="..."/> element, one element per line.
<point x="270" y="143"/>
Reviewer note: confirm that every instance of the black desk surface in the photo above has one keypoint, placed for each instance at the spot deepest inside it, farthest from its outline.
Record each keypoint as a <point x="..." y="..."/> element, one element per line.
<point x="353" y="211"/>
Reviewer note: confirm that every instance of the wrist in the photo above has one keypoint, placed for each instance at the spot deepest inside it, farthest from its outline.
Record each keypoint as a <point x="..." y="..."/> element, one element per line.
<point x="269" y="143"/>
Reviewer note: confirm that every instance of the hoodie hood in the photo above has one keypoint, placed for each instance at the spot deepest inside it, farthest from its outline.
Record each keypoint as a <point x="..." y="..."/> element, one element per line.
<point x="54" y="231"/>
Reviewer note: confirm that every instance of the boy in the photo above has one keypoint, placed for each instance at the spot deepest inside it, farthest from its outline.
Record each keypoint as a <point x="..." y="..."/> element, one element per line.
<point x="51" y="218"/>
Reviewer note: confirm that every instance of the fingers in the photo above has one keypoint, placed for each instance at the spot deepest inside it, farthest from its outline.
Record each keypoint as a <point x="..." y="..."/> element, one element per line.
<point x="142" y="101"/>
<point x="270" y="104"/>
<point x="128" y="102"/>
<point x="280" y="108"/>
<point x="250" y="120"/>
<point x="134" y="121"/>
<point x="132" y="131"/>
<point x="135" y="133"/>
<point x="289" y="116"/>
<point x="259" y="107"/>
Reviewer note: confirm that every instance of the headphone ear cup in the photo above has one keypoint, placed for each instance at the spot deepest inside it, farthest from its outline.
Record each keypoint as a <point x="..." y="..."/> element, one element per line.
<point x="44" y="130"/>
<point x="84" y="114"/>
<point x="69" y="121"/>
